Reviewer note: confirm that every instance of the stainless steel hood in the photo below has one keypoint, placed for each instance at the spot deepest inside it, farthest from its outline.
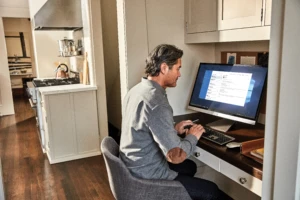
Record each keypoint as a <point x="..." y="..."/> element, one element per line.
<point x="59" y="15"/>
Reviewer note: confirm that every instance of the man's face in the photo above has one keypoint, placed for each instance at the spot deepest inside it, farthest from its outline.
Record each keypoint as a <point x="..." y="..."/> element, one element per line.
<point x="172" y="75"/>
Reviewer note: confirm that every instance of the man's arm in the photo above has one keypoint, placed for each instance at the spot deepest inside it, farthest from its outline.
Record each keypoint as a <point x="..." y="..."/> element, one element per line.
<point x="174" y="148"/>
<point x="178" y="155"/>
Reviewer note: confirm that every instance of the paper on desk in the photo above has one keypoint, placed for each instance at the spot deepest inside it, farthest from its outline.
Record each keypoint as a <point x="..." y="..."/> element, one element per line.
<point x="258" y="153"/>
<point x="248" y="60"/>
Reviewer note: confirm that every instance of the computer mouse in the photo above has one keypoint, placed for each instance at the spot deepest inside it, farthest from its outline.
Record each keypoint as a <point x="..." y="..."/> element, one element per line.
<point x="233" y="144"/>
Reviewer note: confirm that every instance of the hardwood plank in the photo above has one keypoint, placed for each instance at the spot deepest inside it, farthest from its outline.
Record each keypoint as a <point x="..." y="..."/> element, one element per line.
<point x="27" y="173"/>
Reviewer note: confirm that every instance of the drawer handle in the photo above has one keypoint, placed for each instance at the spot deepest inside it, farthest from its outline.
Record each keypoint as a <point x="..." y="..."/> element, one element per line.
<point x="197" y="154"/>
<point x="243" y="180"/>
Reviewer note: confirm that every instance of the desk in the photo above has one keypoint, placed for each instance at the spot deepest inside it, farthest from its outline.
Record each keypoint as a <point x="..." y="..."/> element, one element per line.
<point x="229" y="161"/>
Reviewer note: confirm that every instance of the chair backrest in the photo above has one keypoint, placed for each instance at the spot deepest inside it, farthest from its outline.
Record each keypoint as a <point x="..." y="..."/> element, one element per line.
<point x="124" y="186"/>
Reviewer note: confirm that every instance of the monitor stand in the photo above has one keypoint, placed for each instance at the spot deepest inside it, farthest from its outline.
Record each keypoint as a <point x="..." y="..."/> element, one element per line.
<point x="222" y="125"/>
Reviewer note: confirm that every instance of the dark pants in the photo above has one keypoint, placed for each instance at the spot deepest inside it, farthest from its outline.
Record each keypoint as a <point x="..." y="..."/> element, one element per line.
<point x="198" y="189"/>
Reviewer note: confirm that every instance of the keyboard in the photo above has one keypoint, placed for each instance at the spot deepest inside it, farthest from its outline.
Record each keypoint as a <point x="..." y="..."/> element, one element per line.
<point x="216" y="136"/>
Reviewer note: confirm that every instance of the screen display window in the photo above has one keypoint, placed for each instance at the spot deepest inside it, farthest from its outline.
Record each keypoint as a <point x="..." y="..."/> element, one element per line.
<point x="228" y="89"/>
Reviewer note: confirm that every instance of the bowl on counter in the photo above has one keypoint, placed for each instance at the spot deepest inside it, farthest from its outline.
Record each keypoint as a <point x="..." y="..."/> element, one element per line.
<point x="23" y="71"/>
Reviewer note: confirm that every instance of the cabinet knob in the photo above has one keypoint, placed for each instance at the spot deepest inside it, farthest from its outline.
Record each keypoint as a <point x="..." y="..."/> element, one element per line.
<point x="197" y="154"/>
<point x="243" y="180"/>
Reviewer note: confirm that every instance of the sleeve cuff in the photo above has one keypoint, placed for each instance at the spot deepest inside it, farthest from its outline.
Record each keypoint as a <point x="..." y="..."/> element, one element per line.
<point x="191" y="141"/>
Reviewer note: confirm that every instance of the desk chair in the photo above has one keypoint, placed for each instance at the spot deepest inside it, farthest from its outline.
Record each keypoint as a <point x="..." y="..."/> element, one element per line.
<point x="124" y="186"/>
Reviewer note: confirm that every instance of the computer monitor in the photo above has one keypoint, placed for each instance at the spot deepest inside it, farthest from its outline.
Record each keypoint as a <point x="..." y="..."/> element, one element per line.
<point x="230" y="92"/>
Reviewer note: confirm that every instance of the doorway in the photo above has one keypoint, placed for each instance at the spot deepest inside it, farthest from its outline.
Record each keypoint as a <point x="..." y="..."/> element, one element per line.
<point x="18" y="63"/>
<point x="19" y="48"/>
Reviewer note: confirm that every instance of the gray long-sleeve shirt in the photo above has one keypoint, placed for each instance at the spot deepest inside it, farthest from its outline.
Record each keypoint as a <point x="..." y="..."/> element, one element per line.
<point x="148" y="132"/>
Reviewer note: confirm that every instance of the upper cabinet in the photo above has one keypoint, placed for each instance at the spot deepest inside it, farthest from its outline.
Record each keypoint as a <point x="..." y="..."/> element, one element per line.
<point x="268" y="6"/>
<point x="201" y="16"/>
<point x="235" y="14"/>
<point x="227" y="20"/>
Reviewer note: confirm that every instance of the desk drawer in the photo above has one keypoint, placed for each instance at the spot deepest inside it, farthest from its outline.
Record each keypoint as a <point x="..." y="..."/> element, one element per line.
<point x="251" y="183"/>
<point x="207" y="158"/>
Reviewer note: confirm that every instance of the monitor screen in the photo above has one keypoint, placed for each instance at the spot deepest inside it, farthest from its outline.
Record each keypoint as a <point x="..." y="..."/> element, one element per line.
<point x="228" y="91"/>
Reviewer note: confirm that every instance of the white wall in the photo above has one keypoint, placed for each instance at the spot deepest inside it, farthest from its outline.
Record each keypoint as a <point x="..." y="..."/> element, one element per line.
<point x="133" y="45"/>
<point x="111" y="61"/>
<point x="34" y="6"/>
<point x="12" y="8"/>
<point x="287" y="143"/>
<point x="158" y="22"/>
<point x="92" y="31"/>
<point x="6" y="101"/>
<point x="46" y="45"/>
<point x="165" y="22"/>
<point x="47" y="51"/>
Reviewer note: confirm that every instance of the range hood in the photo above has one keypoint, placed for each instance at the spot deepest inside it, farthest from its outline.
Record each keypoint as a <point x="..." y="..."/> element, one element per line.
<point x="59" y="15"/>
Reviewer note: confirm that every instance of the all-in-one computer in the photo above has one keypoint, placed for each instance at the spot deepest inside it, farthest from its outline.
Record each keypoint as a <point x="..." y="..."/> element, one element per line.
<point x="230" y="92"/>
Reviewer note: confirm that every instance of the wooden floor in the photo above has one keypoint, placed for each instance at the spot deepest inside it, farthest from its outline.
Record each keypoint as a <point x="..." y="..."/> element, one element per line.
<point x="27" y="173"/>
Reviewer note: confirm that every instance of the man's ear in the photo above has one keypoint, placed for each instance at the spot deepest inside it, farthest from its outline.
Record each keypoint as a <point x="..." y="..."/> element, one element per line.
<point x="164" y="68"/>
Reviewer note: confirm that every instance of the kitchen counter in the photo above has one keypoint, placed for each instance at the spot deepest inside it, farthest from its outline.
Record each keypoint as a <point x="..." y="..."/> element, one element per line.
<point x="20" y="74"/>
<point x="67" y="133"/>
<point x="66" y="88"/>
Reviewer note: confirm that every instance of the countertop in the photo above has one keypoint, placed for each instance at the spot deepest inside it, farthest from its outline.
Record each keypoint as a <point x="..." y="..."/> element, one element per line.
<point x="20" y="74"/>
<point x="66" y="89"/>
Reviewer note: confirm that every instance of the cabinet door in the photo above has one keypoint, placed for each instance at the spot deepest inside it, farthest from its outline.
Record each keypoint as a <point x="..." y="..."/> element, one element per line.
<point x="86" y="121"/>
<point x="200" y="15"/>
<point x="268" y="10"/>
<point x="61" y="126"/>
<point x="234" y="14"/>
<point x="16" y="82"/>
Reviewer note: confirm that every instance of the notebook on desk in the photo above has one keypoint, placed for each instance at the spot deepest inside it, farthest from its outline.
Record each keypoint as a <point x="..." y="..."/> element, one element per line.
<point x="259" y="153"/>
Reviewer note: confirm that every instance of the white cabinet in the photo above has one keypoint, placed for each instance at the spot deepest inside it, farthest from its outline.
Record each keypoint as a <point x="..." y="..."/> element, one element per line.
<point x="70" y="125"/>
<point x="246" y="180"/>
<point x="207" y="158"/>
<point x="201" y="15"/>
<point x="235" y="14"/>
<point x="227" y="20"/>
<point x="268" y="9"/>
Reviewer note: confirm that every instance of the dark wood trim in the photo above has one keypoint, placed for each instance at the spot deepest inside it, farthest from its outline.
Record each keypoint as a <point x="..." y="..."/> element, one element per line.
<point x="12" y="36"/>
<point x="18" y="57"/>
<point x="23" y="44"/>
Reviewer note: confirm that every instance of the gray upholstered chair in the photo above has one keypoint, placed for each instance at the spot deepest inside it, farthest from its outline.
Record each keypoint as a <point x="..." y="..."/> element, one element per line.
<point x="124" y="186"/>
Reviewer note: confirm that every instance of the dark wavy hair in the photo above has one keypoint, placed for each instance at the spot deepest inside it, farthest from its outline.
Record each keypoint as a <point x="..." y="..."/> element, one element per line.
<point x="163" y="53"/>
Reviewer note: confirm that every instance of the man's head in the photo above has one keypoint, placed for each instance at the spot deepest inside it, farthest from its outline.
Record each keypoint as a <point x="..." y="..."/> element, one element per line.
<point x="163" y="65"/>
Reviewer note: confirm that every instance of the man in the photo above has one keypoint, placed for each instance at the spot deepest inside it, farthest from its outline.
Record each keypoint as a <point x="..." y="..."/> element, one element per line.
<point x="150" y="146"/>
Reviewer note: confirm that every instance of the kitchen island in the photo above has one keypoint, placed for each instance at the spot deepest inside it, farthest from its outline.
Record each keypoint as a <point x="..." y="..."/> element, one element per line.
<point x="70" y="122"/>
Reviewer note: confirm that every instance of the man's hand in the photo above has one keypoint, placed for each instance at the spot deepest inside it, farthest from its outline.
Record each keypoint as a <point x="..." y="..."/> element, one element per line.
<point x="180" y="126"/>
<point x="196" y="130"/>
